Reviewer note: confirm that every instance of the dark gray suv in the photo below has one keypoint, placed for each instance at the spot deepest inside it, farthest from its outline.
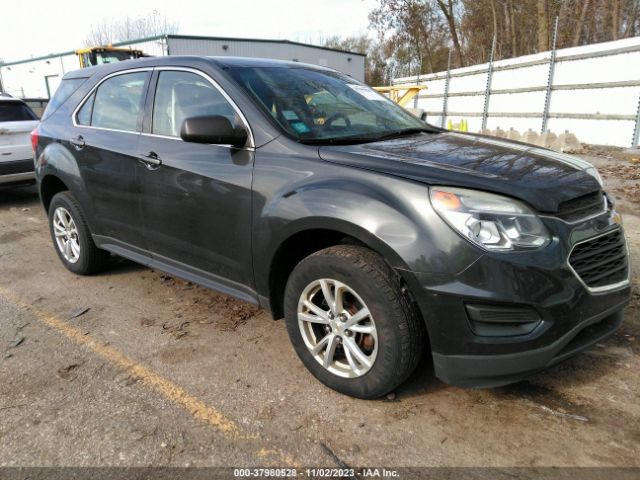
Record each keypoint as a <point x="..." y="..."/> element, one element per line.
<point x="377" y="236"/>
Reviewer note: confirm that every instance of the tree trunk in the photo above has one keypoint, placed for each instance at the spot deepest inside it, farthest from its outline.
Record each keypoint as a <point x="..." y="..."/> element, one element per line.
<point x="615" y="19"/>
<point x="514" y="39"/>
<point x="447" y="10"/>
<point x="494" y="16"/>
<point x="631" y="21"/>
<point x="580" y="25"/>
<point x="543" y="26"/>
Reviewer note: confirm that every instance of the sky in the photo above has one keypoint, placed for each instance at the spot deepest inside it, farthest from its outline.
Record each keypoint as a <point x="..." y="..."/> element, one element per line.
<point x="63" y="25"/>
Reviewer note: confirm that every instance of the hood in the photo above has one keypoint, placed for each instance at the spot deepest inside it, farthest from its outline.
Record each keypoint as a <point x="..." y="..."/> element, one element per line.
<point x="541" y="177"/>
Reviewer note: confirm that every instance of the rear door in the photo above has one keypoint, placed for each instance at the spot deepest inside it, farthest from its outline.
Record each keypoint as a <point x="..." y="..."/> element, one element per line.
<point x="195" y="204"/>
<point x="105" y="143"/>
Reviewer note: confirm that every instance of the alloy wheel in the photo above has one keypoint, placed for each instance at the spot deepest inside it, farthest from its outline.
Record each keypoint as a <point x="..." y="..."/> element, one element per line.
<point x="66" y="235"/>
<point x="337" y="327"/>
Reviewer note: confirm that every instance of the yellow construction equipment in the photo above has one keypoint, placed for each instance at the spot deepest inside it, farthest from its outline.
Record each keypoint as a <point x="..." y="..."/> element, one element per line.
<point x="90" y="57"/>
<point x="410" y="91"/>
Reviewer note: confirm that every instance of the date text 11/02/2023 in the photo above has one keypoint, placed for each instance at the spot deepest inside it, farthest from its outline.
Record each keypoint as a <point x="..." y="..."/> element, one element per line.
<point x="364" y="473"/>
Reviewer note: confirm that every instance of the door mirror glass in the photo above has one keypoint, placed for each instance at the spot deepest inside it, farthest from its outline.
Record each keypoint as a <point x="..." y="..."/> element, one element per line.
<point x="214" y="129"/>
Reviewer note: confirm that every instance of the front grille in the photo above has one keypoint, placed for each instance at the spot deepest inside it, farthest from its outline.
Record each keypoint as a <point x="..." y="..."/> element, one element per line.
<point x="581" y="207"/>
<point x="601" y="261"/>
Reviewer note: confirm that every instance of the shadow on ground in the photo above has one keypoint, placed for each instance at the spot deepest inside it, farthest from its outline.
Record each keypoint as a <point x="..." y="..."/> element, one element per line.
<point x="17" y="196"/>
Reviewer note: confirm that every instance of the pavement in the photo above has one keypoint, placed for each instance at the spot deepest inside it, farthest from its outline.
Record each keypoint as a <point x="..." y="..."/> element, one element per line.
<point x="135" y="368"/>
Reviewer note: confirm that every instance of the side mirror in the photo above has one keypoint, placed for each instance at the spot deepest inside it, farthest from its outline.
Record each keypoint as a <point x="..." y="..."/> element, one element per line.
<point x="212" y="129"/>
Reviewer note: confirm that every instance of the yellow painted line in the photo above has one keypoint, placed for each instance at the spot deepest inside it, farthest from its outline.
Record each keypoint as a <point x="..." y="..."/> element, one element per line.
<point x="196" y="407"/>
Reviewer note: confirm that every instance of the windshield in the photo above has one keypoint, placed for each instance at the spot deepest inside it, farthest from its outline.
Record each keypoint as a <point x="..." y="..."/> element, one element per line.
<point x="317" y="106"/>
<point x="111" y="57"/>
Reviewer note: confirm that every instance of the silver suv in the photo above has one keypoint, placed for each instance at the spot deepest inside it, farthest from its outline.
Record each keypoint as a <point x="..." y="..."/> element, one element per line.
<point x="17" y="121"/>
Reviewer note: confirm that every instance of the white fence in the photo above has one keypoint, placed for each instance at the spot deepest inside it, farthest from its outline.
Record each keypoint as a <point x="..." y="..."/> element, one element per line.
<point x="591" y="91"/>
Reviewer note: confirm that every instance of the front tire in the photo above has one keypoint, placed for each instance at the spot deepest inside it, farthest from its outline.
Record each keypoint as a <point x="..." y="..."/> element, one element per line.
<point x="351" y="323"/>
<point x="72" y="238"/>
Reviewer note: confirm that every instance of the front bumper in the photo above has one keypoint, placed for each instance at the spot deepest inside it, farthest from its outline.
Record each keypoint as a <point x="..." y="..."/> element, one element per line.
<point x="571" y="316"/>
<point x="485" y="371"/>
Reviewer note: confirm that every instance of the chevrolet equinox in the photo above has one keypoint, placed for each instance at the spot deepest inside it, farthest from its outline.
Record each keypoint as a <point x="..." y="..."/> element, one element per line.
<point x="377" y="236"/>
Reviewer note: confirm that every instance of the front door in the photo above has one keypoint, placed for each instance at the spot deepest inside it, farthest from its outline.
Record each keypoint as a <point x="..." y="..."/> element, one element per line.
<point x="196" y="199"/>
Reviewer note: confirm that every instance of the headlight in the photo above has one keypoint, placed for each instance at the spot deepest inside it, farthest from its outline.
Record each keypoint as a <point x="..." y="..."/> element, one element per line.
<point x="491" y="221"/>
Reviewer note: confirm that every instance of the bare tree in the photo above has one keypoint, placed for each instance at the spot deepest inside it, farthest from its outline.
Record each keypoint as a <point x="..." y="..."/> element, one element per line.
<point x="109" y="31"/>
<point x="615" y="19"/>
<point x="375" y="66"/>
<point x="448" y="11"/>
<point x="416" y="35"/>
<point x="580" y="25"/>
<point x="543" y="25"/>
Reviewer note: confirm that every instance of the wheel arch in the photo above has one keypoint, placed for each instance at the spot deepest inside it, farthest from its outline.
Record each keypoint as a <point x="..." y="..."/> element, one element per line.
<point x="57" y="170"/>
<point x="313" y="234"/>
<point x="49" y="186"/>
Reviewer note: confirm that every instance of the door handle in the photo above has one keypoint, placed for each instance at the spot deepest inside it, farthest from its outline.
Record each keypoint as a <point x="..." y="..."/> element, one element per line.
<point x="77" y="142"/>
<point x="150" y="160"/>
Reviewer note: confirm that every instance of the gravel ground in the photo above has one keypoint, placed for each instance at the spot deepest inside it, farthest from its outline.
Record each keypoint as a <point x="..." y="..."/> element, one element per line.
<point x="161" y="372"/>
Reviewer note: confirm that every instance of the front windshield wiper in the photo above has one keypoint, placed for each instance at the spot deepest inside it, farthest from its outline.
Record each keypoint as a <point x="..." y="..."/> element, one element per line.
<point x="374" y="137"/>
<point x="407" y="131"/>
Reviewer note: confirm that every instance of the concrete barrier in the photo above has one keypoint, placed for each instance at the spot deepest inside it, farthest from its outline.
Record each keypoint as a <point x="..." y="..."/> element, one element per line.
<point x="565" y="142"/>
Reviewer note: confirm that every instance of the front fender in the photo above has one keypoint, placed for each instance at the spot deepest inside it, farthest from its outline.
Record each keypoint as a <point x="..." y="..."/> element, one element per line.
<point x="391" y="215"/>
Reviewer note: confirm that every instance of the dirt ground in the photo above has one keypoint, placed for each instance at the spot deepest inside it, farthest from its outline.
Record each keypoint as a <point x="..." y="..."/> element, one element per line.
<point x="161" y="372"/>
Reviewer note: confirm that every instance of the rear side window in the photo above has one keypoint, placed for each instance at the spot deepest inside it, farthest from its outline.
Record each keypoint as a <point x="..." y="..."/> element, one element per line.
<point x="181" y="95"/>
<point x="117" y="102"/>
<point x="16" y="112"/>
<point x="84" y="115"/>
<point x="63" y="92"/>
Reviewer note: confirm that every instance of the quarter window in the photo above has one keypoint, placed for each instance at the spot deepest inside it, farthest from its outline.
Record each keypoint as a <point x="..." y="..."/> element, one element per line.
<point x="117" y="103"/>
<point x="181" y="95"/>
<point x="63" y="92"/>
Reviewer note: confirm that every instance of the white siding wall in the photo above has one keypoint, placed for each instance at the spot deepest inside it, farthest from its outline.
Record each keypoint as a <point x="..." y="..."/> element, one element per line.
<point x="348" y="63"/>
<point x="29" y="79"/>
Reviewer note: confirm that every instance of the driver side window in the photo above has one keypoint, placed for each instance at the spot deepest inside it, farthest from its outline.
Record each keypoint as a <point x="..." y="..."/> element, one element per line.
<point x="181" y="95"/>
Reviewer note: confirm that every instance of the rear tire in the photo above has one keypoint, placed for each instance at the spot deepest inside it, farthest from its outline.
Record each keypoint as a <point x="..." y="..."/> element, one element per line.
<point x="373" y="335"/>
<point x="72" y="238"/>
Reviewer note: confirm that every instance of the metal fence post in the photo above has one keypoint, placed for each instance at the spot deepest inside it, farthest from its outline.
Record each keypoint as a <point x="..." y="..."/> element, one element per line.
<point x="636" y="133"/>
<point x="487" y="92"/>
<point x="446" y="92"/>
<point x="552" y="65"/>
<point x="415" y="100"/>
